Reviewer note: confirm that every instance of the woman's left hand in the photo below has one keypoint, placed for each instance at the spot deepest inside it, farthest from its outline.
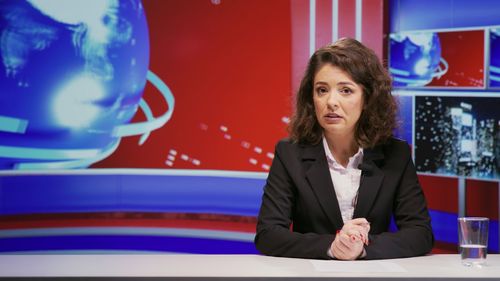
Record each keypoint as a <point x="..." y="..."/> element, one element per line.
<point x="350" y="240"/>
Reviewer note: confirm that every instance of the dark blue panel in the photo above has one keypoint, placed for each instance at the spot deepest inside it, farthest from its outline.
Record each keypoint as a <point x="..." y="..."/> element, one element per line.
<point x="59" y="193"/>
<point x="127" y="243"/>
<point x="405" y="117"/>
<point x="440" y="14"/>
<point x="140" y="193"/>
<point x="239" y="196"/>
<point x="475" y="13"/>
<point x="421" y="14"/>
<point x="444" y="226"/>
<point x="394" y="16"/>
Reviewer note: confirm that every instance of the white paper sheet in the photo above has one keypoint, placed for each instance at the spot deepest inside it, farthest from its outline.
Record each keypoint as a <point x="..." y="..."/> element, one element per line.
<point x="357" y="266"/>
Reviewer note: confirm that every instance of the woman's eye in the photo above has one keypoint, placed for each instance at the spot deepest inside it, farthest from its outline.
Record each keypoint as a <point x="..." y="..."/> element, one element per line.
<point x="346" y="91"/>
<point x="321" y="90"/>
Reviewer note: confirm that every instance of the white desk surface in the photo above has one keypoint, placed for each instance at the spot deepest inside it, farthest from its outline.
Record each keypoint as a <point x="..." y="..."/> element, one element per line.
<point x="237" y="267"/>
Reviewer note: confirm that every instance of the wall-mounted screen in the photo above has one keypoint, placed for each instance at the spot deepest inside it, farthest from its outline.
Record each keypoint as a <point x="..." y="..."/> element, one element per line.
<point x="452" y="59"/>
<point x="457" y="136"/>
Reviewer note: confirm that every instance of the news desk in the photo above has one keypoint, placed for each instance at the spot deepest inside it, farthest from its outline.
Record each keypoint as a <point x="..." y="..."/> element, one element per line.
<point x="237" y="267"/>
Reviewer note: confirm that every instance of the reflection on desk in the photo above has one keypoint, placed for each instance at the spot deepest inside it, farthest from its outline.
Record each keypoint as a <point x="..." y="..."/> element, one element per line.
<point x="237" y="267"/>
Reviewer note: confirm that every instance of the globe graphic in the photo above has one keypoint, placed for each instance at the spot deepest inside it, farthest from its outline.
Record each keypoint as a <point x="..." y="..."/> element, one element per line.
<point x="71" y="73"/>
<point x="415" y="58"/>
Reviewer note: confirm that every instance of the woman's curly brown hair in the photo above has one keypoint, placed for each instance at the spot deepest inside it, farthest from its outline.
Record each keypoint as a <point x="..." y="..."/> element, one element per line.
<point x="378" y="118"/>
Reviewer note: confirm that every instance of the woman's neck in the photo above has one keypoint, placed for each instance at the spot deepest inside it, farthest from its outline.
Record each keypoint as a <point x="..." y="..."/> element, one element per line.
<point x="342" y="147"/>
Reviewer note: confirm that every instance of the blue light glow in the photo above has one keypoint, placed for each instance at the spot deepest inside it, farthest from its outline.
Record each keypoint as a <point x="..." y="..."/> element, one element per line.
<point x="75" y="104"/>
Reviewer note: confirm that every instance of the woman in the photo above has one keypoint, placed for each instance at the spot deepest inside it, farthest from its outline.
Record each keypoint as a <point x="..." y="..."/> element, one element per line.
<point x="335" y="184"/>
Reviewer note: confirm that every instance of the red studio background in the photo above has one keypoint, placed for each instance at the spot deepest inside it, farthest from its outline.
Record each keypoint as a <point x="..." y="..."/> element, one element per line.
<point x="233" y="67"/>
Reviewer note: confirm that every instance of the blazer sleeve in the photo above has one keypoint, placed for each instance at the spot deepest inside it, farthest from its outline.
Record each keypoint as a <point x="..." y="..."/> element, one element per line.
<point x="273" y="236"/>
<point x="414" y="236"/>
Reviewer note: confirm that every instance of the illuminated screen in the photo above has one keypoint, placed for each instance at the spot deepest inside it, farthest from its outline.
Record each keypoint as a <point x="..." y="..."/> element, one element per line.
<point x="453" y="59"/>
<point x="139" y="125"/>
<point x="112" y="101"/>
<point x="457" y="136"/>
<point x="444" y="59"/>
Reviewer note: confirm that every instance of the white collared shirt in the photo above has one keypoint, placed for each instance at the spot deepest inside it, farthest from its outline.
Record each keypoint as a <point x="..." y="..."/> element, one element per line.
<point x="345" y="180"/>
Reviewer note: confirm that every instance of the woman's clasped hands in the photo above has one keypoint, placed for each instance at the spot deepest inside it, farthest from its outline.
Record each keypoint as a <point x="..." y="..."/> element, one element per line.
<point x="350" y="240"/>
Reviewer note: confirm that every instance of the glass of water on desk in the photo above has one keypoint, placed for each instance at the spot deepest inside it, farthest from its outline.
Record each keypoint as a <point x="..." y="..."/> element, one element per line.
<point x="473" y="240"/>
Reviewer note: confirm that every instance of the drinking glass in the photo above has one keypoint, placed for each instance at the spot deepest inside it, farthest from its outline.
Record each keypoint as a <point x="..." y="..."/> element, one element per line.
<point x="473" y="240"/>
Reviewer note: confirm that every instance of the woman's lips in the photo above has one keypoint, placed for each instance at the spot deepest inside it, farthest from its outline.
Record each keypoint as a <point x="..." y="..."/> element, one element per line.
<point x="333" y="118"/>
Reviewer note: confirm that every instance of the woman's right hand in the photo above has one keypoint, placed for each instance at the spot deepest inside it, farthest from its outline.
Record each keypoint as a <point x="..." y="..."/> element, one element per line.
<point x="350" y="240"/>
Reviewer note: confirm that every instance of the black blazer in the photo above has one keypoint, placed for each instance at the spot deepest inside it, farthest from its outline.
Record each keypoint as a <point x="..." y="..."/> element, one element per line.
<point x="299" y="194"/>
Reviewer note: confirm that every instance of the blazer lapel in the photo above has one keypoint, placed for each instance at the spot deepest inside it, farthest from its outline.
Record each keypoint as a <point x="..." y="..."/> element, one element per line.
<point x="318" y="176"/>
<point x="371" y="181"/>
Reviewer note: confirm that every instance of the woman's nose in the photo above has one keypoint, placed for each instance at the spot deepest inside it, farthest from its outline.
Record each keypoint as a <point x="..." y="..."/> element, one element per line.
<point x="333" y="99"/>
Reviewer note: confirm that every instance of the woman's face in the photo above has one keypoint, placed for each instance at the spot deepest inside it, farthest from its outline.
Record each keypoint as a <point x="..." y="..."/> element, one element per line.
<point x="338" y="100"/>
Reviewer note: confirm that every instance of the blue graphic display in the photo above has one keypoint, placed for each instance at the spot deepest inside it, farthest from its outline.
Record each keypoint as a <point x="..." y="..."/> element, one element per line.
<point x="71" y="79"/>
<point x="415" y="58"/>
